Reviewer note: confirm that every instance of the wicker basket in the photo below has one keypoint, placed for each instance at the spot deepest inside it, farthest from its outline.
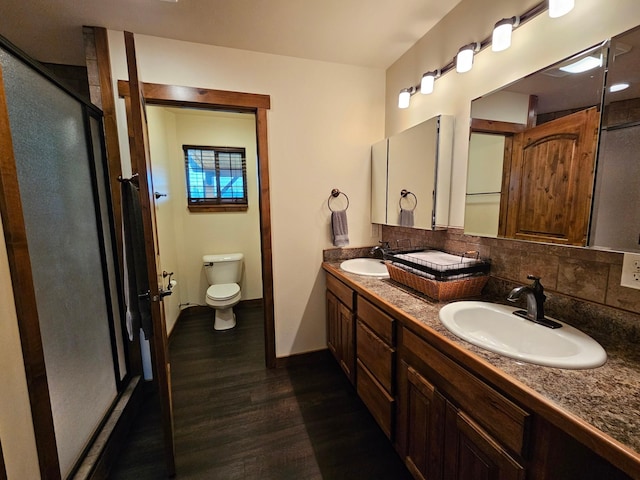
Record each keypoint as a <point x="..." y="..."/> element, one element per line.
<point x="439" y="290"/>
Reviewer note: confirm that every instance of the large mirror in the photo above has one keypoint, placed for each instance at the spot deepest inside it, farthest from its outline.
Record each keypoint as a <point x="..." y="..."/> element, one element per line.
<point x="551" y="155"/>
<point x="411" y="176"/>
<point x="532" y="153"/>
<point x="615" y="221"/>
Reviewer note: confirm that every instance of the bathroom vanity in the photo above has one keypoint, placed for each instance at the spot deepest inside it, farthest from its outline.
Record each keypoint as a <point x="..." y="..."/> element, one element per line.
<point x="455" y="411"/>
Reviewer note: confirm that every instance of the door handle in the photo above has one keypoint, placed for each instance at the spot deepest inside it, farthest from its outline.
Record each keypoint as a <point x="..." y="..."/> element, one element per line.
<point x="164" y="293"/>
<point x="155" y="298"/>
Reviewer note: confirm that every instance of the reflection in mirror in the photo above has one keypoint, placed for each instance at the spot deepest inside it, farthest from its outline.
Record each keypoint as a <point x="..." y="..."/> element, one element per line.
<point x="411" y="176"/>
<point x="379" y="182"/>
<point x="617" y="189"/>
<point x="532" y="153"/>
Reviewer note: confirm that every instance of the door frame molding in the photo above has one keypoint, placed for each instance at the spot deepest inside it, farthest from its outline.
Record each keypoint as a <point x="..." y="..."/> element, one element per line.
<point x="209" y="99"/>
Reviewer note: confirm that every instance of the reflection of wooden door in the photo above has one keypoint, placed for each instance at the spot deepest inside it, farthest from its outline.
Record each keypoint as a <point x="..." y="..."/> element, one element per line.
<point x="551" y="179"/>
<point x="141" y="163"/>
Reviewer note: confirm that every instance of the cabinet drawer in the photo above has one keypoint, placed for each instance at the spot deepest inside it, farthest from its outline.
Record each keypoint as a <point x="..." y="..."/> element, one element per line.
<point x="342" y="291"/>
<point x="375" y="397"/>
<point x="506" y="421"/>
<point x="376" y="355"/>
<point x="378" y="321"/>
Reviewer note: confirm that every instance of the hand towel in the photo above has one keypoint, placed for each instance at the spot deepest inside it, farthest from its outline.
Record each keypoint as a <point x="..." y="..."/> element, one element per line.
<point x="339" y="228"/>
<point x="406" y="218"/>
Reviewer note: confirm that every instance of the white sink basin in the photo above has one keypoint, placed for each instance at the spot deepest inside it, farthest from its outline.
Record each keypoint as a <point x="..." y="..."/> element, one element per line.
<point x="371" y="267"/>
<point x="494" y="327"/>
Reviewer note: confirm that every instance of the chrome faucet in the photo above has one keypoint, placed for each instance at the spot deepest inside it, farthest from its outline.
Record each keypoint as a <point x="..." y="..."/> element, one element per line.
<point x="535" y="296"/>
<point x="379" y="250"/>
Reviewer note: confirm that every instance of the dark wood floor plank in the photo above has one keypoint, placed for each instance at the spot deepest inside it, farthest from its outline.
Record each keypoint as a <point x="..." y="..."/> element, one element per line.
<point x="235" y="419"/>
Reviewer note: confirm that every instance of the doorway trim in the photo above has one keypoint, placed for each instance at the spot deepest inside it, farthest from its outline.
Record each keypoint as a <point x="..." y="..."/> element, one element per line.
<point x="208" y="99"/>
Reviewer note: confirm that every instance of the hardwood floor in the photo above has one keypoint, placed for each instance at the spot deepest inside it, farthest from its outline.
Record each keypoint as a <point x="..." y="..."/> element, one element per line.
<point x="235" y="419"/>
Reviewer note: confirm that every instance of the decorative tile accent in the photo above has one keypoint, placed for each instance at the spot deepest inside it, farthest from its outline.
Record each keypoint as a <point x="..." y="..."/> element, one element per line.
<point x="543" y="266"/>
<point x="583" y="279"/>
<point x="589" y="274"/>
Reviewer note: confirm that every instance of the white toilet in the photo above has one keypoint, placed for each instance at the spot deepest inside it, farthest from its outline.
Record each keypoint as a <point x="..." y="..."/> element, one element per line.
<point x="224" y="272"/>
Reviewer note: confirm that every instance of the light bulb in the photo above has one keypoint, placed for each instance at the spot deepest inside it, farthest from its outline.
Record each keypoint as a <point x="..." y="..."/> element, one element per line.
<point x="404" y="98"/>
<point x="464" y="59"/>
<point x="618" y="87"/>
<point x="428" y="81"/>
<point x="558" y="8"/>
<point x="501" y="39"/>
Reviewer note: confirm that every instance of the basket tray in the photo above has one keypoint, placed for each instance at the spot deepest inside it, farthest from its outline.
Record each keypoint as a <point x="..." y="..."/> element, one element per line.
<point x="439" y="290"/>
<point x="439" y="265"/>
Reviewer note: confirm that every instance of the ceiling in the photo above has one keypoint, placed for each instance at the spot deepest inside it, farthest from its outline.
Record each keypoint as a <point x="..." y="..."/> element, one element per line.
<point x="372" y="33"/>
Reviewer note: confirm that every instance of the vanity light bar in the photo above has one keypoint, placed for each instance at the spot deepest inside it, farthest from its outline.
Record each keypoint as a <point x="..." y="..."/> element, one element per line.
<point x="498" y="41"/>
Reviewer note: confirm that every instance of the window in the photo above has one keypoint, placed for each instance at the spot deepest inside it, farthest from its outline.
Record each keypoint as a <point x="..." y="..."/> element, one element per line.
<point x="216" y="178"/>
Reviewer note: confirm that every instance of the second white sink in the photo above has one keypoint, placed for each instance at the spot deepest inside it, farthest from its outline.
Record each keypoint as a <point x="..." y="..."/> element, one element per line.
<point x="494" y="327"/>
<point x="370" y="267"/>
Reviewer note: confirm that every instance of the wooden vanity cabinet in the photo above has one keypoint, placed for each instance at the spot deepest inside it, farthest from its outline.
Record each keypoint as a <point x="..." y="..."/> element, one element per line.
<point x="341" y="305"/>
<point x="375" y="353"/>
<point x="450" y="424"/>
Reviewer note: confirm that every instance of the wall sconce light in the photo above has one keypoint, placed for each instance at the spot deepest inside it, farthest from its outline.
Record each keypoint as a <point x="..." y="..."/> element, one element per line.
<point x="405" y="97"/>
<point x="501" y="38"/>
<point x="427" y="82"/>
<point x="558" y="8"/>
<point x="464" y="59"/>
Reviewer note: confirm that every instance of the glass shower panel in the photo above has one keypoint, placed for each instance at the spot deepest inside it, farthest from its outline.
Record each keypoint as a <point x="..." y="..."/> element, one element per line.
<point x="105" y="207"/>
<point x="63" y="234"/>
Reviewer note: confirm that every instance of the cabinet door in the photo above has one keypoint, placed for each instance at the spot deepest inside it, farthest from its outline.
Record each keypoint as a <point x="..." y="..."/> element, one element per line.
<point x="551" y="174"/>
<point x="472" y="454"/>
<point x="332" y="324"/>
<point x="346" y="341"/>
<point x="424" y="427"/>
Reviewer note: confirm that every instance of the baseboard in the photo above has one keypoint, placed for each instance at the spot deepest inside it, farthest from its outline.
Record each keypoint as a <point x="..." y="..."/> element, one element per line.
<point x="306" y="358"/>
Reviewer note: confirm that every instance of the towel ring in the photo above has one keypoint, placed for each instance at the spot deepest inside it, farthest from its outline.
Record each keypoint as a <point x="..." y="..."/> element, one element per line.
<point x="334" y="194"/>
<point x="404" y="194"/>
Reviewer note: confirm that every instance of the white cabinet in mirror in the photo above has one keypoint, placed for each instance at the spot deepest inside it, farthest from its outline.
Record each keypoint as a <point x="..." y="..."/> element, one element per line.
<point x="411" y="176"/>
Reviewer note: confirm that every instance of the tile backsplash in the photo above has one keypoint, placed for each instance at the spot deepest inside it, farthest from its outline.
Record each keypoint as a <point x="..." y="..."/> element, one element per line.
<point x="582" y="284"/>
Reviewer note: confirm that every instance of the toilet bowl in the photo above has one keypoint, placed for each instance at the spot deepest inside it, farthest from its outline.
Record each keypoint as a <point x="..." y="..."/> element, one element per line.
<point x="223" y="272"/>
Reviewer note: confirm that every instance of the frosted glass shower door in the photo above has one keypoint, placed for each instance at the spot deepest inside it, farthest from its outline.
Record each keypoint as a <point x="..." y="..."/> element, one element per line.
<point x="67" y="237"/>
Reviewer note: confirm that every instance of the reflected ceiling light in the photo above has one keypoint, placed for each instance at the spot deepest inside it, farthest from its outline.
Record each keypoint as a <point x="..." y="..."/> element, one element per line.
<point x="584" y="64"/>
<point x="428" y="81"/>
<point x="558" y="8"/>
<point x="501" y="38"/>
<point x="464" y="59"/>
<point x="617" y="87"/>
<point x="405" y="97"/>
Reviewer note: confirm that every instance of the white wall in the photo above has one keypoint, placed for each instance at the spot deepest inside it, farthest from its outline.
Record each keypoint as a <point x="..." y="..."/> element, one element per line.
<point x="324" y="117"/>
<point x="536" y="44"/>
<point x="162" y="132"/>
<point x="16" y="425"/>
<point x="190" y="235"/>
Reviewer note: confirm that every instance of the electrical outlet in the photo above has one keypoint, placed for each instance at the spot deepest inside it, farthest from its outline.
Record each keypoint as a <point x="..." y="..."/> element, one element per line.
<point x="630" y="271"/>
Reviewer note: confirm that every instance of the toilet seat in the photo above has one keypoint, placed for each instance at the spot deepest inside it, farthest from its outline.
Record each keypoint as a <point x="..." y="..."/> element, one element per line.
<point x="222" y="292"/>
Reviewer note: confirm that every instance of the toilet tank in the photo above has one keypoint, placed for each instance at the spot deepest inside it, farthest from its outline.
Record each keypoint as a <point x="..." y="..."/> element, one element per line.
<point x="223" y="268"/>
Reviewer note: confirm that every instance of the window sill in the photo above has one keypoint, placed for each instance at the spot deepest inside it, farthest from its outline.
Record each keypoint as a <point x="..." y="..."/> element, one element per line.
<point x="218" y="208"/>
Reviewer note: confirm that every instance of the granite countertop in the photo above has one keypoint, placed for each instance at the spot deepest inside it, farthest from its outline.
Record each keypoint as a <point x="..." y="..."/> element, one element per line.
<point x="607" y="397"/>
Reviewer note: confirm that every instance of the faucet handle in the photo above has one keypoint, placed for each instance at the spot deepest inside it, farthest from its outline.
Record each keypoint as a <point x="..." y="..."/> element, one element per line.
<point x="537" y="287"/>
